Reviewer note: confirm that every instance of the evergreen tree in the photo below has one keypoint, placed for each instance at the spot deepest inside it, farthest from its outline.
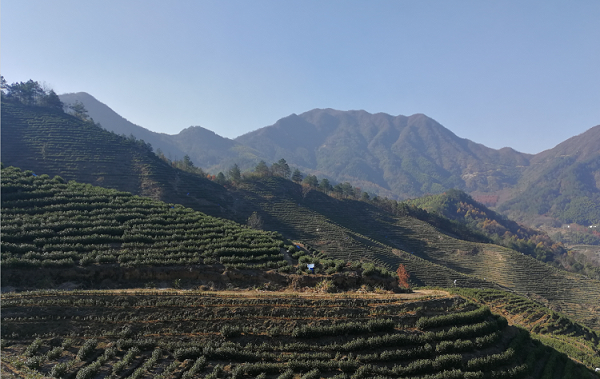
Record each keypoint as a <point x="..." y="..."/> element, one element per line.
<point x="297" y="176"/>
<point x="311" y="180"/>
<point x="262" y="169"/>
<point x="28" y="93"/>
<point x="52" y="101"/>
<point x="3" y="85"/>
<point x="281" y="168"/>
<point x="325" y="185"/>
<point x="78" y="110"/>
<point x="187" y="163"/>
<point x="220" y="179"/>
<point x="234" y="173"/>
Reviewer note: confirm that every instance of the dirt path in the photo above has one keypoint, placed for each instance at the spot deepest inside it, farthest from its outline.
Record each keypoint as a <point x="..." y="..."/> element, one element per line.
<point x="417" y="294"/>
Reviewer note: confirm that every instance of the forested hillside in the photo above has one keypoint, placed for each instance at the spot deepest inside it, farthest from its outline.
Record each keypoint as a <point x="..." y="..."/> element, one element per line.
<point x="402" y="157"/>
<point x="407" y="156"/>
<point x="566" y="189"/>
<point x="459" y="206"/>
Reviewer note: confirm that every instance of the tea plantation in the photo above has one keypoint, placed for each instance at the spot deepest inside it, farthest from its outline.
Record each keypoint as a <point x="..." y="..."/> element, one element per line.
<point x="168" y="334"/>
<point x="81" y="232"/>
<point x="350" y="229"/>
<point x="75" y="258"/>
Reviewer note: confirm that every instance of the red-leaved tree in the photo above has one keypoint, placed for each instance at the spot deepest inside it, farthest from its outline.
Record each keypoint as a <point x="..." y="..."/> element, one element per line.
<point x="403" y="276"/>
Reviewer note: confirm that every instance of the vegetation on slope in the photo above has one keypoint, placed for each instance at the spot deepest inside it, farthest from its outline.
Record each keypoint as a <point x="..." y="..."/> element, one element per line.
<point x="101" y="237"/>
<point x="341" y="228"/>
<point x="90" y="235"/>
<point x="351" y="229"/>
<point x="400" y="157"/>
<point x="459" y="206"/>
<point x="51" y="142"/>
<point x="49" y="223"/>
<point x="184" y="335"/>
<point x="404" y="156"/>
<point x="566" y="190"/>
<point x="552" y="328"/>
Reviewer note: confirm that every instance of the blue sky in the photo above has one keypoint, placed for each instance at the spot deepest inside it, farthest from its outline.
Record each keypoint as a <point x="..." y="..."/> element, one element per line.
<point x="524" y="74"/>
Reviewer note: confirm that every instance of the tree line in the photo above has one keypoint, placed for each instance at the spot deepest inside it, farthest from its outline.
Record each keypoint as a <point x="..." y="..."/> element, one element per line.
<point x="31" y="93"/>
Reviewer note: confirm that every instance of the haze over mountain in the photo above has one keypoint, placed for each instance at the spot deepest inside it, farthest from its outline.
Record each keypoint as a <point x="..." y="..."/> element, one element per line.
<point x="394" y="156"/>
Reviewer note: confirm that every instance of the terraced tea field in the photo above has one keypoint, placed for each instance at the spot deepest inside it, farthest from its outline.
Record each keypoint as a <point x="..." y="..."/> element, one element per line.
<point x="66" y="234"/>
<point x="74" y="227"/>
<point x="189" y="334"/>
<point x="554" y="329"/>
<point x="347" y="228"/>
<point x="57" y="144"/>
<point x="53" y="143"/>
<point x="294" y="217"/>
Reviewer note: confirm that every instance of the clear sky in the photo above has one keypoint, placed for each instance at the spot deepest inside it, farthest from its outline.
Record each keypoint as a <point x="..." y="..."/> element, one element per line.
<point x="524" y="74"/>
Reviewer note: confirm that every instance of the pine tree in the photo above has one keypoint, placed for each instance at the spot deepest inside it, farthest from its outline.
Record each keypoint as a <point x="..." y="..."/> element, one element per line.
<point x="235" y="174"/>
<point x="262" y="169"/>
<point x="297" y="176"/>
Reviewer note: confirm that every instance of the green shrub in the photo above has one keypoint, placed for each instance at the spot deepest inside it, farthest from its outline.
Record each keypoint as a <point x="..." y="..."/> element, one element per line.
<point x="87" y="349"/>
<point x="59" y="370"/>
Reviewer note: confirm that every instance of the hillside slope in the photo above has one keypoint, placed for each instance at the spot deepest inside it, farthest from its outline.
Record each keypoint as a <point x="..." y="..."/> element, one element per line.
<point x="563" y="182"/>
<point x="350" y="229"/>
<point x="114" y="122"/>
<point x="403" y="157"/>
<point x="408" y="156"/>
<point x="205" y="148"/>
<point x="97" y="237"/>
<point x="343" y="229"/>
<point x="185" y="335"/>
<point x="54" y="143"/>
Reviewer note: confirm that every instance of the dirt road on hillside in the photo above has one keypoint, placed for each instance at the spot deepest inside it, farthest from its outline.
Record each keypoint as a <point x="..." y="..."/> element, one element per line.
<point x="417" y="294"/>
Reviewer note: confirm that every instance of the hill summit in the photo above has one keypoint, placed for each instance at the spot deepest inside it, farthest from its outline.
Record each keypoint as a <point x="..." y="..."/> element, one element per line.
<point x="404" y="156"/>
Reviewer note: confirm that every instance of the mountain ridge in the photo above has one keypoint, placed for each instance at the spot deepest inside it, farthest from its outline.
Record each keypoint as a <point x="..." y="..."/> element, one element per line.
<point x="399" y="157"/>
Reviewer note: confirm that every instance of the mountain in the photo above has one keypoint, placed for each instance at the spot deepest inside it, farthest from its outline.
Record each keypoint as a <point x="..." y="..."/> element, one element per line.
<point x="582" y="147"/>
<point x="394" y="156"/>
<point x="563" y="182"/>
<point x="405" y="156"/>
<point x="113" y="122"/>
<point x="55" y="143"/>
<point x="399" y="157"/>
<point x="205" y="148"/>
